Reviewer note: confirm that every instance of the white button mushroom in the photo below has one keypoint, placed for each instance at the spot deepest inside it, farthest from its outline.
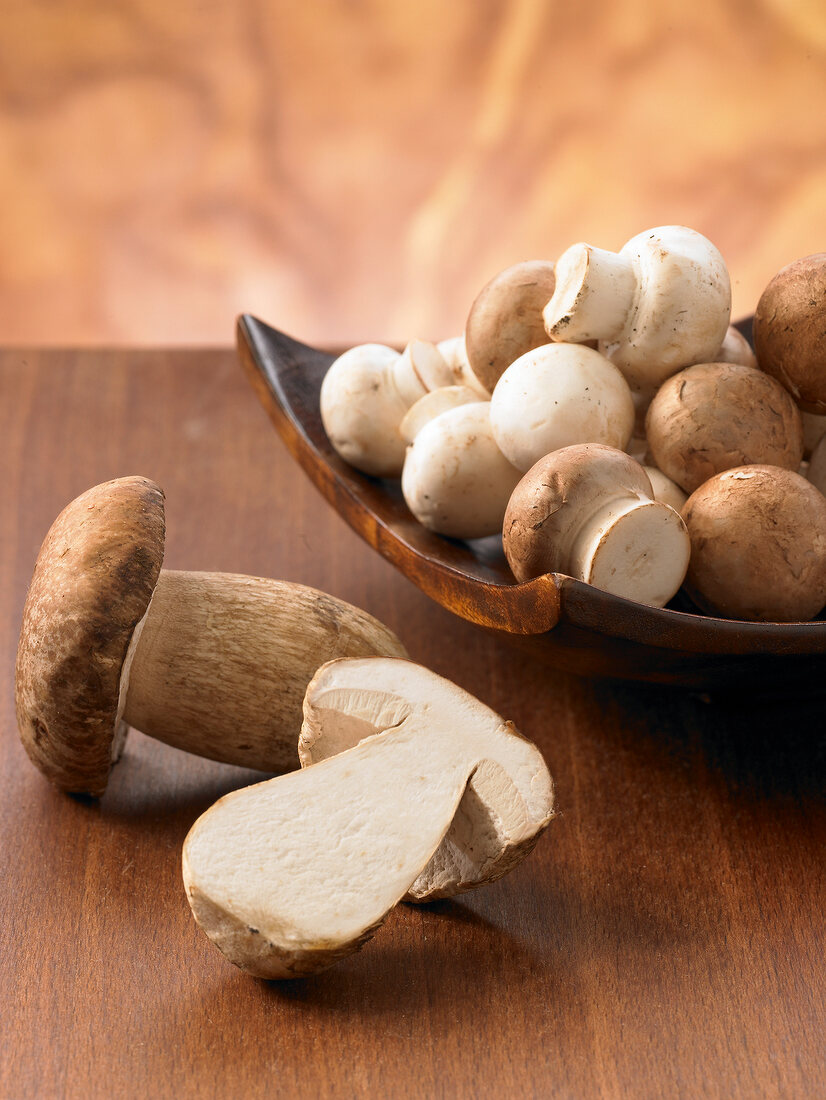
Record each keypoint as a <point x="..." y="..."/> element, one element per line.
<point x="455" y="480"/>
<point x="455" y="353"/>
<point x="432" y="405"/>
<point x="665" y="490"/>
<point x="587" y="511"/>
<point x="661" y="303"/>
<point x="366" y="393"/>
<point x="735" y="349"/>
<point x="558" y="395"/>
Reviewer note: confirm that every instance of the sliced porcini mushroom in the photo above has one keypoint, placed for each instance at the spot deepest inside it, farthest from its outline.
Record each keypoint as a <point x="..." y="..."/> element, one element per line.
<point x="558" y="395"/>
<point x="505" y="320"/>
<point x="588" y="512"/>
<point x="789" y="324"/>
<point x="715" y="416"/>
<point x="456" y="481"/>
<point x="455" y="354"/>
<point x="665" y="490"/>
<point x="430" y="406"/>
<point x="758" y="545"/>
<point x="213" y="663"/>
<point x="735" y="349"/>
<point x="290" y="875"/>
<point x="659" y="304"/>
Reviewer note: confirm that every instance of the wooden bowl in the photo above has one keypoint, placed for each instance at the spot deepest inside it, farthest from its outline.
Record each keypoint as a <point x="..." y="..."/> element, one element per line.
<point x="572" y="624"/>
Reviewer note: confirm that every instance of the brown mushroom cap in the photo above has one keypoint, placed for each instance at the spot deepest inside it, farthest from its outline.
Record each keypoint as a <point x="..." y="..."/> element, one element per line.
<point x="758" y="545"/>
<point x="92" y="584"/>
<point x="790" y="330"/>
<point x="505" y="320"/>
<point x="714" y="416"/>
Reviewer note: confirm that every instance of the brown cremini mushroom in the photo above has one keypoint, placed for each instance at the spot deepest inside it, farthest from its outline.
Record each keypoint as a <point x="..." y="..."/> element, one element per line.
<point x="714" y="416"/>
<point x="588" y="512"/>
<point x="505" y="320"/>
<point x="214" y="663"/>
<point x="790" y="330"/>
<point x="758" y="545"/>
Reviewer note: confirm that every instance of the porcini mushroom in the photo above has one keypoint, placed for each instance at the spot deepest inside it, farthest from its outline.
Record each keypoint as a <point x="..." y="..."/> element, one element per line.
<point x="365" y="394"/>
<point x="789" y="327"/>
<point x="505" y="320"/>
<point x="290" y="875"/>
<point x="758" y="545"/>
<point x="214" y="663"/>
<point x="659" y="304"/>
<point x="455" y="480"/>
<point x="588" y="511"/>
<point x="558" y="395"/>
<point x="714" y="416"/>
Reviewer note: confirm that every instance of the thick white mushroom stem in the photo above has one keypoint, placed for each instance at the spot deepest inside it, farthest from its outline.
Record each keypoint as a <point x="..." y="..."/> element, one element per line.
<point x="220" y="663"/>
<point x="290" y="875"/>
<point x="594" y="293"/>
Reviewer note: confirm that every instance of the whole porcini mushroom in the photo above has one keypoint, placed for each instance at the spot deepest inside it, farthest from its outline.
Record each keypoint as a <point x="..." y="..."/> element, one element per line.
<point x="790" y="330"/>
<point x="213" y="663"/>
<point x="505" y="320"/>
<point x="758" y="545"/>
<point x="366" y="393"/>
<point x="290" y="875"/>
<point x="659" y="304"/>
<point x="588" y="512"/>
<point x="456" y="481"/>
<point x="715" y="416"/>
<point x="558" y="395"/>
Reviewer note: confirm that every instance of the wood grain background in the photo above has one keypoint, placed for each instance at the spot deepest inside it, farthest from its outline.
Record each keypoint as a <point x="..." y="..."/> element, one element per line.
<point x="359" y="169"/>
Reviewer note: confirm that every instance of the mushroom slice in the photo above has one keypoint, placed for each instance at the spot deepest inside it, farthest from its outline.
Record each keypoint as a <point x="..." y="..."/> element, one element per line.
<point x="290" y="875"/>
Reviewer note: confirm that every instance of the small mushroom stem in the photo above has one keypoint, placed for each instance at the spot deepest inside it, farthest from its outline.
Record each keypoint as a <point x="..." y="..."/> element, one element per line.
<point x="594" y="293"/>
<point x="220" y="663"/>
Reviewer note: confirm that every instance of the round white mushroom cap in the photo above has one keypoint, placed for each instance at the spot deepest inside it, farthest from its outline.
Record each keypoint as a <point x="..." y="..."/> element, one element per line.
<point x="362" y="407"/>
<point x="558" y="395"/>
<point x="661" y="303"/>
<point x="455" y="480"/>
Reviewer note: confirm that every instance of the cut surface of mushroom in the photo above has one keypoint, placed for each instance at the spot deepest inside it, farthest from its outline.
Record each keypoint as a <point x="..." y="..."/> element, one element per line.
<point x="558" y="395"/>
<point x="588" y="512"/>
<point x="505" y="320"/>
<point x="290" y="875"/>
<point x="210" y="662"/>
<point x="661" y="303"/>
<point x="456" y="481"/>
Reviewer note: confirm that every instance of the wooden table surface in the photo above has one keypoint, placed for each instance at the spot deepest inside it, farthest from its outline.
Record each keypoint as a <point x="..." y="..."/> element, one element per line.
<point x="666" y="938"/>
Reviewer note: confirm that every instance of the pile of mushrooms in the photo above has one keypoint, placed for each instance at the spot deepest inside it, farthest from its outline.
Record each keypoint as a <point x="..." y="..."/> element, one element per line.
<point x="587" y="405"/>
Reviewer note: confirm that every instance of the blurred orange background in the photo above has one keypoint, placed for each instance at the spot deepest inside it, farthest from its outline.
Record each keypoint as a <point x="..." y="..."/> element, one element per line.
<point x="353" y="170"/>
